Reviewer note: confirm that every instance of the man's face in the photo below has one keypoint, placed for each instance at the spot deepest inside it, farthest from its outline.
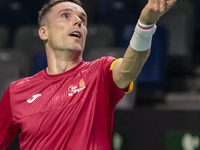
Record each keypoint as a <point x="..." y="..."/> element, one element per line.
<point x="66" y="27"/>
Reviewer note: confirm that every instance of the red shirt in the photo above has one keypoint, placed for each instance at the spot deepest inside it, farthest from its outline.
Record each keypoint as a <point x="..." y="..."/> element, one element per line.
<point x="69" y="111"/>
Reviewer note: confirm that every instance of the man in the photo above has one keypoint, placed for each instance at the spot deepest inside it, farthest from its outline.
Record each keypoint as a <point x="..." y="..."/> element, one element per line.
<point x="70" y="105"/>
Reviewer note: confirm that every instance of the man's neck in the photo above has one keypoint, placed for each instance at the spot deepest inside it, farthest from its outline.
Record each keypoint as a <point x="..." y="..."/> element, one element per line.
<point x="61" y="61"/>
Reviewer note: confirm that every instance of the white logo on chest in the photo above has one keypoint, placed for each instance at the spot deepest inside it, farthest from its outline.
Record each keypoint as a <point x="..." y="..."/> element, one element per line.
<point x="34" y="98"/>
<point x="76" y="89"/>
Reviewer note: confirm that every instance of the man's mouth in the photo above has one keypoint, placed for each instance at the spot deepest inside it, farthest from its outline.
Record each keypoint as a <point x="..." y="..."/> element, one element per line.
<point x="76" y="34"/>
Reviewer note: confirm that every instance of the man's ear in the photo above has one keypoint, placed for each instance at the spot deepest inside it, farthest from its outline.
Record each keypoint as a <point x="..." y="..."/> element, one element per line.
<point x="43" y="33"/>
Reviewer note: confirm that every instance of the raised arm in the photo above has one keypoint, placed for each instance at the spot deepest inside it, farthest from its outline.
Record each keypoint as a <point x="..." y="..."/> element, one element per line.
<point x="127" y="69"/>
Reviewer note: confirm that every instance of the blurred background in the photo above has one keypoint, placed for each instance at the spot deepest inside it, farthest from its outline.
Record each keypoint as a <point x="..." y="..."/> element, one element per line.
<point x="162" y="112"/>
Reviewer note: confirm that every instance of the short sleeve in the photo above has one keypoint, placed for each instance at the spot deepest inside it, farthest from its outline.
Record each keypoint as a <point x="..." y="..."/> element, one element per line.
<point x="130" y="86"/>
<point x="115" y="93"/>
<point x="8" y="130"/>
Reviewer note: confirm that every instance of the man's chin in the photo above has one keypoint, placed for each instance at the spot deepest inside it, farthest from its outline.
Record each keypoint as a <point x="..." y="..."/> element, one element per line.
<point x="75" y="47"/>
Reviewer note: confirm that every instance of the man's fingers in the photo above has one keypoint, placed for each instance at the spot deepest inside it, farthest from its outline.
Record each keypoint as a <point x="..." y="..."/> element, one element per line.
<point x="156" y="2"/>
<point x="163" y="5"/>
<point x="156" y="5"/>
<point x="151" y="2"/>
<point x="170" y="3"/>
<point x="155" y="9"/>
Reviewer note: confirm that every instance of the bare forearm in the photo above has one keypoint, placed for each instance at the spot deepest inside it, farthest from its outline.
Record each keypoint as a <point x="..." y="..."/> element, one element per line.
<point x="134" y="60"/>
<point x="132" y="63"/>
<point x="127" y="69"/>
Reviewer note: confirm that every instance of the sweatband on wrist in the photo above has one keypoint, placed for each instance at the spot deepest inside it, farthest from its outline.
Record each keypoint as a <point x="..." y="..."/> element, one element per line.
<point x="142" y="36"/>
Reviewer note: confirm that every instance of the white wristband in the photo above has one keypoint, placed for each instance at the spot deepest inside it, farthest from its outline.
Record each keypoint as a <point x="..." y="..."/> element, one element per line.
<point x="142" y="37"/>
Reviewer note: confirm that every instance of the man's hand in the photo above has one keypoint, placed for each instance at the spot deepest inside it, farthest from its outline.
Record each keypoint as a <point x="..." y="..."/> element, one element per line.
<point x="154" y="10"/>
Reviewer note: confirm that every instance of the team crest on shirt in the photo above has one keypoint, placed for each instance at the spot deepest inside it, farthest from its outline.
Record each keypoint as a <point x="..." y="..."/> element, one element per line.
<point x="73" y="89"/>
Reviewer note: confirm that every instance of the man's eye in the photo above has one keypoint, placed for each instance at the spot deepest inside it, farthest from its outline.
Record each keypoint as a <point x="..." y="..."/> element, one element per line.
<point x="65" y="16"/>
<point x="83" y="20"/>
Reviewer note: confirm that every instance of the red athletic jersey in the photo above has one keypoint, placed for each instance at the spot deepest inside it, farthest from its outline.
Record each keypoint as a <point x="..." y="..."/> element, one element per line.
<point x="69" y="111"/>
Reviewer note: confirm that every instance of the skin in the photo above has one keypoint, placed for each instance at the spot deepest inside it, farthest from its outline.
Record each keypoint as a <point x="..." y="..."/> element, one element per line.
<point x="127" y="70"/>
<point x="65" y="52"/>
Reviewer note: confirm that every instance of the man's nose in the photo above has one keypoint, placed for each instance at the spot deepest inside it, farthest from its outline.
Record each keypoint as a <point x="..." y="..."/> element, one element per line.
<point x="77" y="21"/>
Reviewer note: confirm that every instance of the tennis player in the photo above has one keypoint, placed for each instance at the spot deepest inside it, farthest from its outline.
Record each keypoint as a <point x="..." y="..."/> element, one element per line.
<point x="70" y="104"/>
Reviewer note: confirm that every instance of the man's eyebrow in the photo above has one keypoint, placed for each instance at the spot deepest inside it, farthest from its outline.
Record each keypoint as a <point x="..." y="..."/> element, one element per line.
<point x="69" y="9"/>
<point x="84" y="14"/>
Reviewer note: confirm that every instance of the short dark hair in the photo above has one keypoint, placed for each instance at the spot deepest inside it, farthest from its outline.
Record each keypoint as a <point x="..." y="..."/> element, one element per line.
<point x="47" y="7"/>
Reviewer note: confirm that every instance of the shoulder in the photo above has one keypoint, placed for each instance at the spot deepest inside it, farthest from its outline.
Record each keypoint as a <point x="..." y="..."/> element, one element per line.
<point x="24" y="82"/>
<point x="100" y="65"/>
<point x="102" y="62"/>
<point x="107" y="59"/>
